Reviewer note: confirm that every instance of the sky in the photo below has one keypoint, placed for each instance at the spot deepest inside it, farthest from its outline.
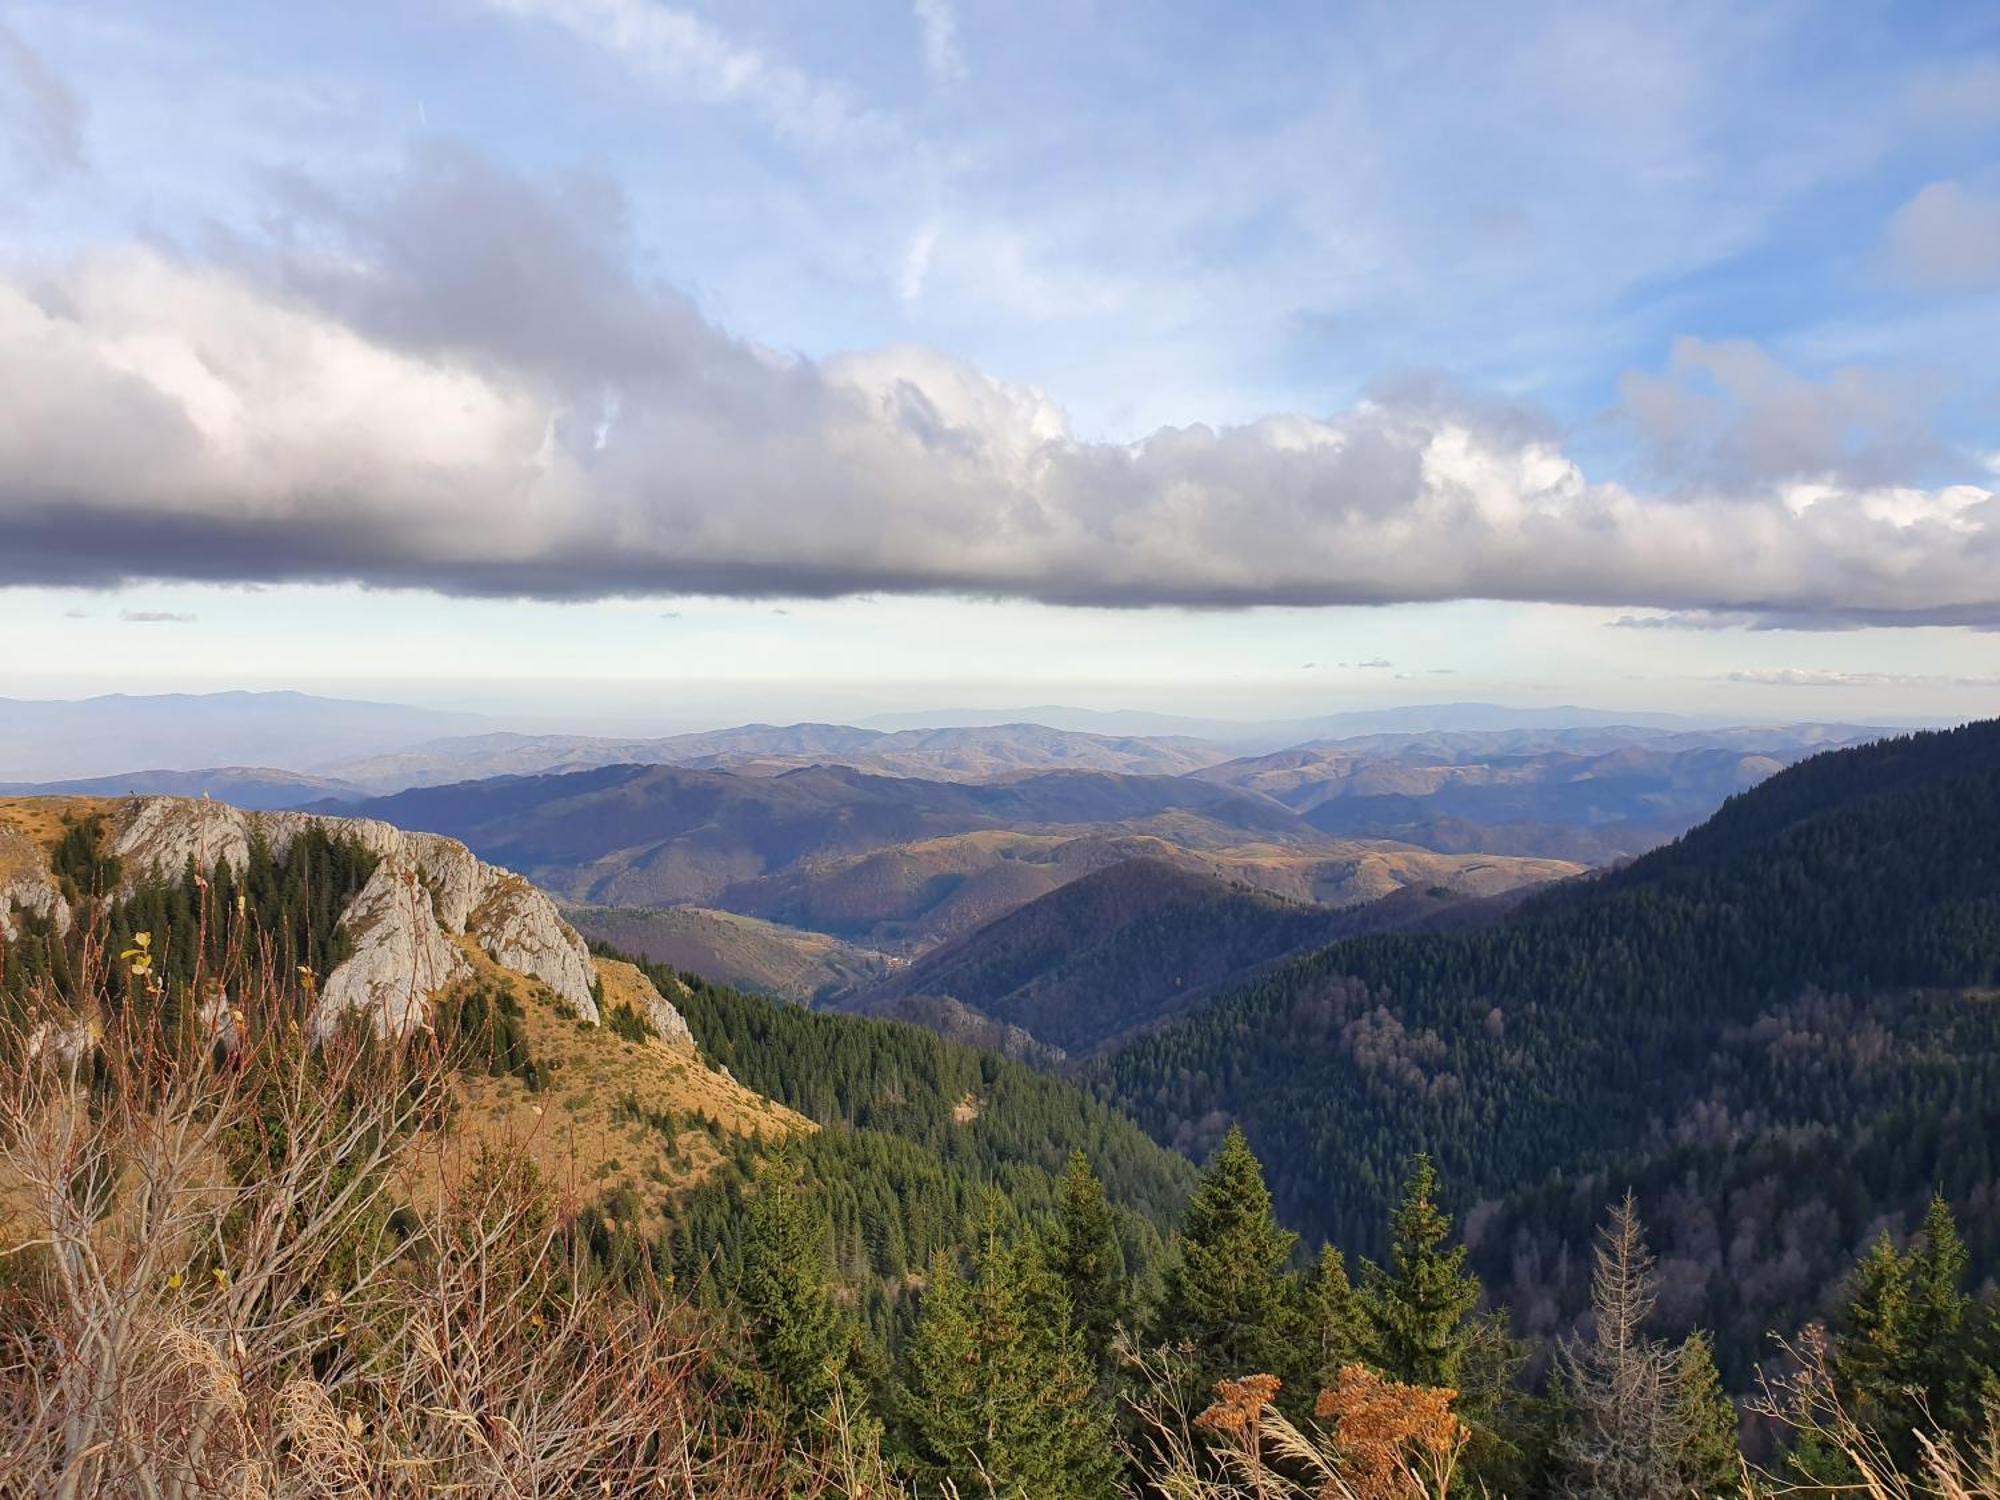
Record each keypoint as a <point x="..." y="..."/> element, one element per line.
<point x="625" y="358"/>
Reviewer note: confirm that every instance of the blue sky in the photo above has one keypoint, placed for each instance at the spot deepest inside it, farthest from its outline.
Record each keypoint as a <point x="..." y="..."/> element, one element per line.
<point x="606" y="354"/>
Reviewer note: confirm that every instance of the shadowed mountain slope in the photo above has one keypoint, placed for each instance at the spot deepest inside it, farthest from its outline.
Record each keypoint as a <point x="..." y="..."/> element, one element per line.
<point x="1812" y="965"/>
<point x="1123" y="948"/>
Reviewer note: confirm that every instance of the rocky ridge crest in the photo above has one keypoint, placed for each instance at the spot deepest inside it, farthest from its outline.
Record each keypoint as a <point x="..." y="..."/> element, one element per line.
<point x="427" y="893"/>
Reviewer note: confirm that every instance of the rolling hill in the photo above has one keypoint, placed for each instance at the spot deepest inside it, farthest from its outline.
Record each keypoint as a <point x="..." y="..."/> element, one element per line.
<point x="948" y="754"/>
<point x="790" y="847"/>
<point x="1593" y="794"/>
<point x="789" y="963"/>
<point x="1121" y="949"/>
<point x="1808" y="972"/>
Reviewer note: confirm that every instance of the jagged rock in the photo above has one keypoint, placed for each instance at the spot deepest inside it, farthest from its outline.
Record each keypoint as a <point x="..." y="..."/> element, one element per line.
<point x="521" y="930"/>
<point x="400" y="958"/>
<point x="26" y="884"/>
<point x="37" y="897"/>
<point x="426" y="890"/>
<point x="667" y="1020"/>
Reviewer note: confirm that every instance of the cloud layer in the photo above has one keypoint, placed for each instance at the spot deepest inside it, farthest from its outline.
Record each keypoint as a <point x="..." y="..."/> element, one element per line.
<point x="456" y="382"/>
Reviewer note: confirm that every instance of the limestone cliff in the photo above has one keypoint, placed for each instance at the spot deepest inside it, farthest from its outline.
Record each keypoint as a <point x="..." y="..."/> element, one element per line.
<point x="426" y="891"/>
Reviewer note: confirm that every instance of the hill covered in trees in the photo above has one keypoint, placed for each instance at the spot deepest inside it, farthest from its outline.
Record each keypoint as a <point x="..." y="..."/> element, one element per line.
<point x="1125" y="947"/>
<point x="1804" y="977"/>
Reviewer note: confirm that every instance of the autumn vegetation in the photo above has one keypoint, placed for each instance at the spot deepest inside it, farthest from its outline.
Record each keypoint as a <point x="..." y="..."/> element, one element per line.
<point x="245" y="1260"/>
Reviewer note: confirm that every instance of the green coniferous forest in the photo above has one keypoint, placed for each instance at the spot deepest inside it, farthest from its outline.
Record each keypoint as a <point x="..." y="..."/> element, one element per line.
<point x="1778" y="1029"/>
<point x="1517" y="1210"/>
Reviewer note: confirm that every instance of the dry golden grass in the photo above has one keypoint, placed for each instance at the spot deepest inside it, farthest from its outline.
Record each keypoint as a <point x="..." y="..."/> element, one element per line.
<point x="31" y="827"/>
<point x="583" y="1129"/>
<point x="45" y="819"/>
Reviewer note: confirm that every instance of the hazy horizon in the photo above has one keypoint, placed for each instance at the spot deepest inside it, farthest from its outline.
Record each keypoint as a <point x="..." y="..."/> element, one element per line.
<point x="986" y="355"/>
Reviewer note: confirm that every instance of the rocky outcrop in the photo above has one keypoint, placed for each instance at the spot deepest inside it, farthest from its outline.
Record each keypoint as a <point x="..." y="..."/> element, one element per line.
<point x="401" y="956"/>
<point x="26" y="884"/>
<point x="426" y="891"/>
<point x="521" y="930"/>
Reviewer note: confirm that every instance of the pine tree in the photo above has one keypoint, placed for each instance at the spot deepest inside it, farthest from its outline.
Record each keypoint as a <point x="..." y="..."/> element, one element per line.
<point x="1711" y="1462"/>
<point x="1226" y="1289"/>
<point x="1942" y="1366"/>
<point x="1085" y="1255"/>
<point x="1871" y="1351"/>
<point x="797" y="1329"/>
<point x="1418" y="1308"/>
<point x="1335" y="1324"/>
<point x="998" y="1395"/>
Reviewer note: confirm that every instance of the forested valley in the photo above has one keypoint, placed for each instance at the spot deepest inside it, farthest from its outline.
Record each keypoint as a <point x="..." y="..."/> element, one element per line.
<point x="1676" y="1181"/>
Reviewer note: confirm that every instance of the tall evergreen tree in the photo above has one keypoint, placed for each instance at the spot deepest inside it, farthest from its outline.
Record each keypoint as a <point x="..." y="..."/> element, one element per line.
<point x="1335" y="1325"/>
<point x="1871" y="1351"/>
<point x="1711" y="1463"/>
<point x="1905" y="1354"/>
<point x="998" y="1393"/>
<point x="1085" y="1255"/>
<point x="799" y="1334"/>
<point x="1418" y="1308"/>
<point x="1227" y="1294"/>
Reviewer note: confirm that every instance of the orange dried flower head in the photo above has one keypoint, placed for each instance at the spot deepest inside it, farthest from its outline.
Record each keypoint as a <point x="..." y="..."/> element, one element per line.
<point x="1387" y="1431"/>
<point x="1239" y="1406"/>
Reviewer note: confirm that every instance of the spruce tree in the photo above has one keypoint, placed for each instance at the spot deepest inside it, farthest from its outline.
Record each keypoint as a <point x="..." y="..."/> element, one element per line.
<point x="1335" y="1324"/>
<point x="796" y="1327"/>
<point x="1871" y="1351"/>
<point x="1418" y="1308"/>
<point x="1711" y="1462"/>
<point x="1226" y="1291"/>
<point x="1943" y="1363"/>
<point x="998" y="1395"/>
<point x="1085" y="1255"/>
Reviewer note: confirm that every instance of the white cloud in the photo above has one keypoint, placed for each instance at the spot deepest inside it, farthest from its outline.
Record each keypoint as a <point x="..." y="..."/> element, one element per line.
<point x="1726" y="413"/>
<point x="428" y="401"/>
<point x="917" y="264"/>
<point x="1809" y="677"/>
<point x="1948" y="236"/>
<point x="687" y="55"/>
<point x="937" y="22"/>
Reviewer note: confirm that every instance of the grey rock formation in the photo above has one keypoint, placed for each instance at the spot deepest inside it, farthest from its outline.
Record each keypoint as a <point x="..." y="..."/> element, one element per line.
<point x="26" y="885"/>
<point x="426" y="891"/>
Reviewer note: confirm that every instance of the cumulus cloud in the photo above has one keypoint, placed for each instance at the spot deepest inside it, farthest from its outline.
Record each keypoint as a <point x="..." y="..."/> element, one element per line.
<point x="1948" y="236"/>
<point x="41" y="119"/>
<point x="457" y="382"/>
<point x="1727" y="415"/>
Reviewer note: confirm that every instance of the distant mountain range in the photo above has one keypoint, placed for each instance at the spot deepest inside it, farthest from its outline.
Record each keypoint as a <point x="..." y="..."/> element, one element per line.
<point x="977" y="754"/>
<point x="42" y="739"/>
<point x="840" y="850"/>
<point x="1587" y="794"/>
<point x="254" y="788"/>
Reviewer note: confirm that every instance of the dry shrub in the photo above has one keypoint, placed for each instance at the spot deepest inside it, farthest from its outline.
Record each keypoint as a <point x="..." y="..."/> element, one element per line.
<point x="1387" y="1441"/>
<point x="1950" y="1466"/>
<point x="209" y="1290"/>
